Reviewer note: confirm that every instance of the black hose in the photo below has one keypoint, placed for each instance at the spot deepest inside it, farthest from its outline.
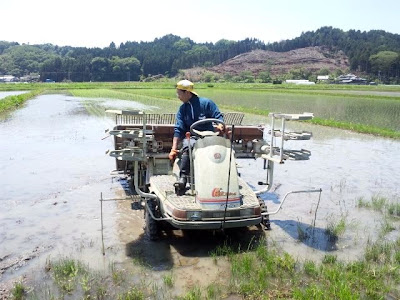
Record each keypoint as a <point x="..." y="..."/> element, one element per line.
<point x="229" y="176"/>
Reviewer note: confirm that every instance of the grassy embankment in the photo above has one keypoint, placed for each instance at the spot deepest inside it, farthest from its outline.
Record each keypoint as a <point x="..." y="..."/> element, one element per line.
<point x="145" y="92"/>
<point x="258" y="273"/>
<point x="259" y="270"/>
<point x="12" y="102"/>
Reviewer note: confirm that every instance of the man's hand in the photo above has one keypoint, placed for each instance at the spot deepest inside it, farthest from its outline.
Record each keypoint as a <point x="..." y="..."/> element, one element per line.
<point x="172" y="155"/>
<point x="220" y="127"/>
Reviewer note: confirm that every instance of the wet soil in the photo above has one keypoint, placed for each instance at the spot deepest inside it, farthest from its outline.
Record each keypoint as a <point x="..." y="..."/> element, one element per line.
<point x="53" y="169"/>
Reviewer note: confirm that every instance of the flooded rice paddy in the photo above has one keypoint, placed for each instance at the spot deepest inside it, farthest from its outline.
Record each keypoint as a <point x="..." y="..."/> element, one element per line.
<point x="54" y="167"/>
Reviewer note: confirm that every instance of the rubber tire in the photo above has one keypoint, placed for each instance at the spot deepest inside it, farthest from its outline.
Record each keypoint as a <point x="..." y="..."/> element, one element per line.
<point x="151" y="225"/>
<point x="265" y="219"/>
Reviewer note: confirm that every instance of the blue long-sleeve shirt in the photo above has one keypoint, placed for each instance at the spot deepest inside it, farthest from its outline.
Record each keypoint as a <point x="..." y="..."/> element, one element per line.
<point x="195" y="109"/>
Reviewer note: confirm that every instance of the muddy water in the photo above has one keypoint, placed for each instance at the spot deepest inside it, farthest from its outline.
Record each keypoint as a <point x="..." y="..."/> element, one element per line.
<point x="346" y="166"/>
<point x="53" y="169"/>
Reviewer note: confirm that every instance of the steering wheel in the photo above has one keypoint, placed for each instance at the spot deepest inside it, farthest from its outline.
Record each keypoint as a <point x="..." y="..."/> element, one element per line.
<point x="205" y="132"/>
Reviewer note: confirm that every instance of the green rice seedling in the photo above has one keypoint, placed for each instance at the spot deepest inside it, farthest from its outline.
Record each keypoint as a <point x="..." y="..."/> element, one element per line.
<point x="243" y="264"/>
<point x="101" y="292"/>
<point x="397" y="256"/>
<point x="219" y="251"/>
<point x="86" y="285"/>
<point x="132" y="294"/>
<point x="329" y="259"/>
<point x="357" y="268"/>
<point x="378" y="252"/>
<point x="394" y="209"/>
<point x="378" y="202"/>
<point x="273" y="263"/>
<point x="224" y="250"/>
<point x="116" y="275"/>
<point x="335" y="229"/>
<point x="213" y="291"/>
<point x="67" y="268"/>
<point x="312" y="291"/>
<point x="287" y="263"/>
<point x="65" y="272"/>
<point x="387" y="226"/>
<point x="18" y="291"/>
<point x="154" y="290"/>
<point x="249" y="274"/>
<point x="193" y="294"/>
<point x="140" y="262"/>
<point x="302" y="235"/>
<point x="168" y="280"/>
<point x="310" y="268"/>
<point x="361" y="202"/>
<point x="397" y="243"/>
<point x="249" y="287"/>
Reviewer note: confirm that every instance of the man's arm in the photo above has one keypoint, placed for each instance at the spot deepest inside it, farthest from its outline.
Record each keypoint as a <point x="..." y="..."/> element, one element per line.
<point x="175" y="143"/>
<point x="216" y="114"/>
<point x="174" y="150"/>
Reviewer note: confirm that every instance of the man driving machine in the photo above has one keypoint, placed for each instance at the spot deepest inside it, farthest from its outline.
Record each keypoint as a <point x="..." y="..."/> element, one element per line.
<point x="193" y="108"/>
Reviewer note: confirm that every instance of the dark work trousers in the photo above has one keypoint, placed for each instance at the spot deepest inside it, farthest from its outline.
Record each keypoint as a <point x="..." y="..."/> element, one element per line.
<point x="185" y="160"/>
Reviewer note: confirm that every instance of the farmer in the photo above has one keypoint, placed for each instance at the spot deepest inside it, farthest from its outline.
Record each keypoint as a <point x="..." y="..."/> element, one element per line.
<point x="193" y="108"/>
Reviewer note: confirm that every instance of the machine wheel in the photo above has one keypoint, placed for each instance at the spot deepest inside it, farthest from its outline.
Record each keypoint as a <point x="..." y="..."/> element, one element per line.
<point x="265" y="220"/>
<point x="151" y="225"/>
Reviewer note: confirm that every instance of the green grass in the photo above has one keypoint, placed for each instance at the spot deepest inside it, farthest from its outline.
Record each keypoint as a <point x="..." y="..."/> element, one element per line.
<point x="387" y="226"/>
<point x="168" y="280"/>
<point x="193" y="294"/>
<point x="214" y="291"/>
<point x="66" y="271"/>
<point x="379" y="252"/>
<point x="381" y="204"/>
<point x="361" y="202"/>
<point x="13" y="102"/>
<point x="265" y="272"/>
<point x="335" y="229"/>
<point x="260" y="272"/>
<point x="394" y="209"/>
<point x="132" y="294"/>
<point x="361" y="128"/>
<point x="18" y="291"/>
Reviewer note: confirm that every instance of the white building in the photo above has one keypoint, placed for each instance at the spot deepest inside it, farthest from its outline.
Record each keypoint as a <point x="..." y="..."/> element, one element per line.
<point x="7" y="78"/>
<point x="299" y="81"/>
<point x="322" y="77"/>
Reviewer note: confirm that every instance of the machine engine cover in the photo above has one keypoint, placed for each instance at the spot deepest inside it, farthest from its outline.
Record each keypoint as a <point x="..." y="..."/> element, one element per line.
<point x="211" y="158"/>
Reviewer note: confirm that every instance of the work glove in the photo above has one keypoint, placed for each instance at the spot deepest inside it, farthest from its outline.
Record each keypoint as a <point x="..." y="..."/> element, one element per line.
<point x="172" y="155"/>
<point x="220" y="127"/>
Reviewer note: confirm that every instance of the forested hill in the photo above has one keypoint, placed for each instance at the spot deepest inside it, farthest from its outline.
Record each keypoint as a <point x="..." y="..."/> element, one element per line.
<point x="369" y="52"/>
<point x="358" y="46"/>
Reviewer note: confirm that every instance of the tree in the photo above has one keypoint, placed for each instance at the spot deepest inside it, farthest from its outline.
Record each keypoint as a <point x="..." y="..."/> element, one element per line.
<point x="100" y="69"/>
<point x="125" y="68"/>
<point x="324" y="71"/>
<point x="24" y="59"/>
<point x="52" y="69"/>
<point x="384" y="63"/>
<point x="246" y="76"/>
<point x="264" y="76"/>
<point x="183" y="45"/>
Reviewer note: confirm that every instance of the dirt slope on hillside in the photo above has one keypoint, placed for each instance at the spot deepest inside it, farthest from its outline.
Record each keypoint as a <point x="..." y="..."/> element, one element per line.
<point x="311" y="58"/>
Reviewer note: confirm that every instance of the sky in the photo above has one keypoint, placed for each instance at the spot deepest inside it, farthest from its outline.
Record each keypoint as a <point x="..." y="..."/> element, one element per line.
<point x="97" y="23"/>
